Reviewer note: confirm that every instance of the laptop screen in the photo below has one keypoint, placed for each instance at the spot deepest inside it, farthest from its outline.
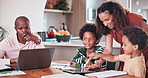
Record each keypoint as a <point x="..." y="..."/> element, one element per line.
<point x="35" y="58"/>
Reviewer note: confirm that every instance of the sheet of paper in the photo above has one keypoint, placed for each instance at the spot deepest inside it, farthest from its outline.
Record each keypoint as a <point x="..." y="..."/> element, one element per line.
<point x="3" y="66"/>
<point x="61" y="66"/>
<point x="66" y="75"/>
<point x="10" y="73"/>
<point x="105" y="74"/>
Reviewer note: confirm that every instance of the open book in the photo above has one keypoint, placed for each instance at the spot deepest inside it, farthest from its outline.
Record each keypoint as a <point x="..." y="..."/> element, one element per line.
<point x="105" y="74"/>
<point x="3" y="67"/>
<point x="66" y="75"/>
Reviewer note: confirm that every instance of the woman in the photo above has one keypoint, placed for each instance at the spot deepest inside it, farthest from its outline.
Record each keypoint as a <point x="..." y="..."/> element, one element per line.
<point x="111" y="20"/>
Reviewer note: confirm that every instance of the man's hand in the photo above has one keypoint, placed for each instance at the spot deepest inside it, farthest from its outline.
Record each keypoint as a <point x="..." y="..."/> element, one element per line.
<point x="13" y="62"/>
<point x="12" y="65"/>
<point x="31" y="37"/>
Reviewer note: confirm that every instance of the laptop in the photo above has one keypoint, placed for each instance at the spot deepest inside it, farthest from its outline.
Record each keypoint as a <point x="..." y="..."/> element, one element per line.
<point x="35" y="58"/>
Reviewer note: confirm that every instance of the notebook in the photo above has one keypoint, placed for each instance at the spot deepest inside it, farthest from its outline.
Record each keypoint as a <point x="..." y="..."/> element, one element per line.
<point x="35" y="58"/>
<point x="65" y="75"/>
<point x="105" y="74"/>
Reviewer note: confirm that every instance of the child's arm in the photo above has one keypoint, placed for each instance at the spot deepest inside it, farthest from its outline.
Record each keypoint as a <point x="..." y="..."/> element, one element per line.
<point x="78" y="60"/>
<point x="106" y="57"/>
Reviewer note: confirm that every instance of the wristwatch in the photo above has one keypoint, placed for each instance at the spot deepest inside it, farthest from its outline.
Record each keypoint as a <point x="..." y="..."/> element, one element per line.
<point x="39" y="40"/>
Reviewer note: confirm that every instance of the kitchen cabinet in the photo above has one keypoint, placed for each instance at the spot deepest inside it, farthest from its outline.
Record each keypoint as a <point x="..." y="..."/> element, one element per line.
<point x="56" y="11"/>
<point x="74" y="19"/>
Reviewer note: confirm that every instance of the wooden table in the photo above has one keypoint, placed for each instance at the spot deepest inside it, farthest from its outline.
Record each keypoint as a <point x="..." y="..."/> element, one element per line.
<point x="37" y="73"/>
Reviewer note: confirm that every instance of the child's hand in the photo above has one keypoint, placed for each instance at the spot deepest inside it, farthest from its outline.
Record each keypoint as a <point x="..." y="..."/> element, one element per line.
<point x="91" y="66"/>
<point x="72" y="64"/>
<point x="89" y="63"/>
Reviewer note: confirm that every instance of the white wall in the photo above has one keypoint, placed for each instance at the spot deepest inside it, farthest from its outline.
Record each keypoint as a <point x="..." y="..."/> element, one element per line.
<point x="124" y="3"/>
<point x="11" y="9"/>
<point x="140" y="7"/>
<point x="94" y="5"/>
<point x="53" y="19"/>
<point x="34" y="10"/>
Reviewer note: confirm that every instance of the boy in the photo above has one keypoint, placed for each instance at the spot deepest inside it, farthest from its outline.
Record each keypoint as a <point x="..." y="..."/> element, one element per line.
<point x="90" y="39"/>
<point x="134" y="41"/>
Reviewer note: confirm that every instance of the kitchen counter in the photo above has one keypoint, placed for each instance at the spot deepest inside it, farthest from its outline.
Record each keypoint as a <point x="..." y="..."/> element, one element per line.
<point x="75" y="41"/>
<point x="70" y="43"/>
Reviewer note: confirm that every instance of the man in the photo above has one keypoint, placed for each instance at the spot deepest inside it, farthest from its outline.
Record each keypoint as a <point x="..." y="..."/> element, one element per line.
<point x="23" y="39"/>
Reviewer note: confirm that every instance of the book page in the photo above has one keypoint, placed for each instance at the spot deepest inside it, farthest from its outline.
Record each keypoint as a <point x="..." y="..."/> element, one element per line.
<point x="3" y="66"/>
<point x="10" y="73"/>
<point x="105" y="74"/>
<point x="66" y="75"/>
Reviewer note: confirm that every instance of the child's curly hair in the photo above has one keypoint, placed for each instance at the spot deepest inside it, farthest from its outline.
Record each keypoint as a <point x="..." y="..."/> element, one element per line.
<point x="88" y="27"/>
<point x="137" y="36"/>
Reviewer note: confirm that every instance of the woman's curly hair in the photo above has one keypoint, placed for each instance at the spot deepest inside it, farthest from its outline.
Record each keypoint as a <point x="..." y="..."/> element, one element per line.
<point x="88" y="27"/>
<point x="120" y="18"/>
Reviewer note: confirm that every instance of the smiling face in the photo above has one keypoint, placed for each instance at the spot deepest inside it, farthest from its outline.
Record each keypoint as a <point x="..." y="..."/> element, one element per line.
<point x="127" y="46"/>
<point x="89" y="40"/>
<point x="107" y="19"/>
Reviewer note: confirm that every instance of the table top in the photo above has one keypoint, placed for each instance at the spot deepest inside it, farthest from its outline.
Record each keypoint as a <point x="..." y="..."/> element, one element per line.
<point x="37" y="73"/>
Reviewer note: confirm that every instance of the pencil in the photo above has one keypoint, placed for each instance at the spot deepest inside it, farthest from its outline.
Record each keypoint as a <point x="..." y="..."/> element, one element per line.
<point x="86" y="62"/>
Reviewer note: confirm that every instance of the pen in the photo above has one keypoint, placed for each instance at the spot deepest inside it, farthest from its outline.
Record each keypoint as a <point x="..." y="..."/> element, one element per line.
<point x="86" y="62"/>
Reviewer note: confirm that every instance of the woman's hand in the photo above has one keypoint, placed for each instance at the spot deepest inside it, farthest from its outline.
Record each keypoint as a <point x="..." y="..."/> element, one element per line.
<point x="94" y="56"/>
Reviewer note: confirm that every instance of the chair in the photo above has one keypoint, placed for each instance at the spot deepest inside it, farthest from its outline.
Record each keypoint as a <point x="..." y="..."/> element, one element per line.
<point x="110" y="65"/>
